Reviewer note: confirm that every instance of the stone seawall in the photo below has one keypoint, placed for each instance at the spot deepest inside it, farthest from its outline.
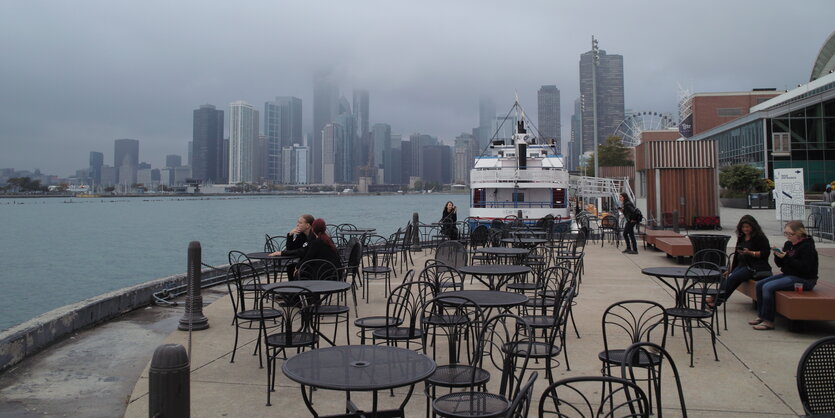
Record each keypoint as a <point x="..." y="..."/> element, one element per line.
<point x="30" y="337"/>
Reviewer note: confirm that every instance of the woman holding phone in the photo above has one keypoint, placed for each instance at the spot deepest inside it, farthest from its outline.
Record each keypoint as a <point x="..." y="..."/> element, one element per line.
<point x="798" y="260"/>
<point x="448" y="219"/>
<point x="752" y="252"/>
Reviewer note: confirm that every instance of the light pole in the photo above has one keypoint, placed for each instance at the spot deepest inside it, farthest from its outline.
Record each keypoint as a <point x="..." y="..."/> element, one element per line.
<point x="595" y="60"/>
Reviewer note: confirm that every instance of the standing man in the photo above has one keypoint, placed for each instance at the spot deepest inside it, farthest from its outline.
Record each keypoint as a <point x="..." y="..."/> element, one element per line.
<point x="297" y="240"/>
<point x="828" y="194"/>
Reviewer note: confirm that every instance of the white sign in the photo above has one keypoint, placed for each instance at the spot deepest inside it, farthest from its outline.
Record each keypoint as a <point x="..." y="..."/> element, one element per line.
<point x="789" y="194"/>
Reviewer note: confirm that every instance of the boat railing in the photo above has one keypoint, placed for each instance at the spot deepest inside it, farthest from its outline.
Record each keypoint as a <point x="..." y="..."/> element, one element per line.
<point x="511" y="175"/>
<point x="521" y="205"/>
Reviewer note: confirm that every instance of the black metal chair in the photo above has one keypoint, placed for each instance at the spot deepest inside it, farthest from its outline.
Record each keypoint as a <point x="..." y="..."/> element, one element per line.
<point x="298" y="331"/>
<point x="816" y="377"/>
<point x="813" y="225"/>
<point x="479" y="238"/>
<point x="273" y="244"/>
<point x="444" y="277"/>
<point x="379" y="321"/>
<point x="244" y="288"/>
<point x="594" y="396"/>
<point x="405" y="303"/>
<point x="331" y="309"/>
<point x="377" y="264"/>
<point x="350" y="270"/>
<point x="451" y="253"/>
<point x="609" y="228"/>
<point x="721" y="259"/>
<point x="521" y="405"/>
<point x="636" y="356"/>
<point x="500" y="336"/>
<point x="708" y="278"/>
<point x="548" y="336"/>
<point x="456" y="318"/>
<point x="628" y="322"/>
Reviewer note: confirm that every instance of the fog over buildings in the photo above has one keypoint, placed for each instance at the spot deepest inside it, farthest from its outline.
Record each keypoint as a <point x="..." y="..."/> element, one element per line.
<point x="78" y="75"/>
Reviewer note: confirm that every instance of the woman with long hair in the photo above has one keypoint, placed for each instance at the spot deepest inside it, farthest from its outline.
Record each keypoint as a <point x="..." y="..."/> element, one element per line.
<point x="752" y="251"/>
<point x="448" y="219"/>
<point x="321" y="246"/>
<point x="798" y="261"/>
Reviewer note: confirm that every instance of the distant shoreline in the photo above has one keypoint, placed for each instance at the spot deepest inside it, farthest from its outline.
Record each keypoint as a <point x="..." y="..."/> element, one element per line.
<point x="230" y="195"/>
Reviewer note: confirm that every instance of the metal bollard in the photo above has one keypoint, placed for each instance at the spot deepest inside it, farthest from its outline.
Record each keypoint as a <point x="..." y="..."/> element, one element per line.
<point x="193" y="318"/>
<point x="415" y="232"/>
<point x="168" y="382"/>
<point x="675" y="221"/>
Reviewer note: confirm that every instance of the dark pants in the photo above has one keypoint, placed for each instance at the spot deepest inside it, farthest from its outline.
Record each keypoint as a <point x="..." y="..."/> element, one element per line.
<point x="740" y="275"/>
<point x="629" y="236"/>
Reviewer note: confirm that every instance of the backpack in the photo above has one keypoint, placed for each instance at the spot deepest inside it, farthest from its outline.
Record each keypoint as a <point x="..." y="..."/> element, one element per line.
<point x="637" y="216"/>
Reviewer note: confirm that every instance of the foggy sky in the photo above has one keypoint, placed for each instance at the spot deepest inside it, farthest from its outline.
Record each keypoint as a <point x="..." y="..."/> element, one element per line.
<point x="77" y="75"/>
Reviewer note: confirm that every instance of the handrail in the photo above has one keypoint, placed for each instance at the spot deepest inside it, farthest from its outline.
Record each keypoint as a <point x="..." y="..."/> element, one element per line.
<point x="824" y="227"/>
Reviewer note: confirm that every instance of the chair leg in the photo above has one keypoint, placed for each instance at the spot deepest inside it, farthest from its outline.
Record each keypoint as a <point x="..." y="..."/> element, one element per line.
<point x="235" y="347"/>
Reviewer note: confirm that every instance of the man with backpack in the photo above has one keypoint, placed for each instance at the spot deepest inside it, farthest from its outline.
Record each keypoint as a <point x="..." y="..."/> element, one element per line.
<point x="633" y="217"/>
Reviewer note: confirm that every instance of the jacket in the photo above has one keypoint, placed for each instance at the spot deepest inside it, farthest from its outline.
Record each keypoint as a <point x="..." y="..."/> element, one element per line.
<point x="296" y="245"/>
<point x="801" y="259"/>
<point x="760" y="244"/>
<point x="318" y="249"/>
<point x="629" y="211"/>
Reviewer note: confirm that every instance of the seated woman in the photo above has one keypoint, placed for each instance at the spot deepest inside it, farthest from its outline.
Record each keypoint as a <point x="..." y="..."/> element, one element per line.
<point x="752" y="251"/>
<point x="798" y="260"/>
<point x="321" y="246"/>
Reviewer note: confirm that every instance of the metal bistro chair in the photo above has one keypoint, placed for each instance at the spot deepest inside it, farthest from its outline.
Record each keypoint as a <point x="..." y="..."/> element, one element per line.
<point x="813" y="225"/>
<point x="548" y="337"/>
<point x="244" y="289"/>
<point x="444" y="277"/>
<point x="500" y="336"/>
<point x="635" y="357"/>
<point x="816" y="377"/>
<point x="331" y="309"/>
<point x="451" y="253"/>
<point x="593" y="396"/>
<point x="377" y="264"/>
<point x="609" y="228"/>
<point x="374" y="322"/>
<point x="297" y="331"/>
<point x="405" y="303"/>
<point x="707" y="276"/>
<point x="721" y="259"/>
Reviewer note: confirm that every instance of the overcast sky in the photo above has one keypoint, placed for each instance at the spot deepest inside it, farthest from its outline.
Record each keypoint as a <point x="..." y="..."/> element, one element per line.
<point x="75" y="75"/>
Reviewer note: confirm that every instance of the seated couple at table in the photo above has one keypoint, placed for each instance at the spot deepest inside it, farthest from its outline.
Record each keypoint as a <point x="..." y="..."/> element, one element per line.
<point x="309" y="240"/>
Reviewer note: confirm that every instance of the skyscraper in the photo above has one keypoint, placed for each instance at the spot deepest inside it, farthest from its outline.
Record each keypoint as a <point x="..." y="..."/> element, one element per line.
<point x="173" y="160"/>
<point x="464" y="155"/>
<point x="610" y="101"/>
<point x="243" y="138"/>
<point x="349" y="144"/>
<point x="282" y="128"/>
<point x="325" y="109"/>
<point x="363" y="136"/>
<point x="548" y="115"/>
<point x="126" y="160"/>
<point x="207" y="144"/>
<point x="574" y="148"/>
<point x="381" y="137"/>
<point x="333" y="135"/>
<point x="96" y="163"/>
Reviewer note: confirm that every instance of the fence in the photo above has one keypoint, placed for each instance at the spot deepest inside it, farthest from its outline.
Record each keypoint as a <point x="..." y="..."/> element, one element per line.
<point x="816" y="218"/>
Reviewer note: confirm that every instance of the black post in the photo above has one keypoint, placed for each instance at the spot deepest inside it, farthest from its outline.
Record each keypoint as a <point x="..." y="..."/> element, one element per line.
<point x="193" y="318"/>
<point x="168" y="382"/>
<point x="415" y="232"/>
<point x="675" y="221"/>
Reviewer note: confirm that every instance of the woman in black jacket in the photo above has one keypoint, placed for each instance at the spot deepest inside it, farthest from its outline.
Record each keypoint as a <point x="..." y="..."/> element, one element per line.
<point x="630" y="214"/>
<point x="798" y="260"/>
<point x="752" y="251"/>
<point x="448" y="219"/>
<point x="321" y="246"/>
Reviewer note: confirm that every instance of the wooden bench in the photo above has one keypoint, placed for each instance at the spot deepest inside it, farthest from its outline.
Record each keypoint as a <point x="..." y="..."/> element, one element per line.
<point x="810" y="305"/>
<point x="678" y="247"/>
<point x="650" y="235"/>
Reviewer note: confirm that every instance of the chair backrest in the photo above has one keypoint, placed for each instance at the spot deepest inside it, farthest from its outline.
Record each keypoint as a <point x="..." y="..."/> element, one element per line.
<point x="318" y="269"/>
<point x="443" y="277"/>
<point x="522" y="402"/>
<point x="704" y="276"/>
<point x="816" y="377"/>
<point x="478" y="238"/>
<point x="235" y="256"/>
<point x="243" y="283"/>
<point x="504" y="341"/>
<point x="631" y="321"/>
<point x="456" y="316"/>
<point x="706" y="241"/>
<point x="609" y="221"/>
<point x="813" y="221"/>
<point x="711" y="255"/>
<point x="295" y="303"/>
<point x="406" y="301"/>
<point x="273" y="244"/>
<point x="634" y="358"/>
<point x="553" y="282"/>
<point x="582" y="397"/>
<point x="451" y="253"/>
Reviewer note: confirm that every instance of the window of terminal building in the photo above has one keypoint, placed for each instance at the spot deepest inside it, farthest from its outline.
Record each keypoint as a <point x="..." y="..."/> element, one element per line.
<point x="728" y="111"/>
<point x="782" y="143"/>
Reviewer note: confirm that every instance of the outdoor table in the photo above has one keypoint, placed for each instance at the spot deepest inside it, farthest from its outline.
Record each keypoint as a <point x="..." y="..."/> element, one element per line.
<point x="676" y="274"/>
<point x="361" y="368"/>
<point x="490" y="299"/>
<point x="317" y="288"/>
<point x="504" y="253"/>
<point x="276" y="260"/>
<point x="494" y="276"/>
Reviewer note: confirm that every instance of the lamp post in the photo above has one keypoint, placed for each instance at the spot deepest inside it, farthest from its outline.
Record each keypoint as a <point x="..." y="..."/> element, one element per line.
<point x="595" y="61"/>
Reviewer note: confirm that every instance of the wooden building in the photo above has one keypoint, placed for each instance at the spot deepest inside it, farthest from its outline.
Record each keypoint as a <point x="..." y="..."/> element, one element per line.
<point x="677" y="176"/>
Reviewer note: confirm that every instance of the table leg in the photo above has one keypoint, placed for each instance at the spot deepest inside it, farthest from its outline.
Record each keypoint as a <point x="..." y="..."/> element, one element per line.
<point x="308" y="402"/>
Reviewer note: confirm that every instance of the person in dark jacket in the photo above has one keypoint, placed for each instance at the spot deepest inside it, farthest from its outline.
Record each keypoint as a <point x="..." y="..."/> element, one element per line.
<point x="752" y="252"/>
<point x="798" y="260"/>
<point x="297" y="240"/>
<point x="321" y="246"/>
<point x="448" y="219"/>
<point x="631" y="216"/>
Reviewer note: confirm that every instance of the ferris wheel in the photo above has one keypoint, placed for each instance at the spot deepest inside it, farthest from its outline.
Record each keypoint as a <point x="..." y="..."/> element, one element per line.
<point x="629" y="130"/>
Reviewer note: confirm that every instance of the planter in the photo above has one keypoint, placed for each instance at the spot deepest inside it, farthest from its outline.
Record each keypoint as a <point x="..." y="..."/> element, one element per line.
<point x="734" y="202"/>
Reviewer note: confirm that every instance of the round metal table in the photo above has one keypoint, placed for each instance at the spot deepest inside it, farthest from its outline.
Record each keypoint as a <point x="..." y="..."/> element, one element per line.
<point x="494" y="276"/>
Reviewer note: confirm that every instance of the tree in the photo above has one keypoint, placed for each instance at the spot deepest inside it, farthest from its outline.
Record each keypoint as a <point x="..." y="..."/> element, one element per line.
<point x="418" y="185"/>
<point x="613" y="153"/>
<point x="740" y="179"/>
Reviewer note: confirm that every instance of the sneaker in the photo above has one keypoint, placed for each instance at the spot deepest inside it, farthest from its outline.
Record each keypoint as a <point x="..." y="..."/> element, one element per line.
<point x="627" y="251"/>
<point x="633" y="252"/>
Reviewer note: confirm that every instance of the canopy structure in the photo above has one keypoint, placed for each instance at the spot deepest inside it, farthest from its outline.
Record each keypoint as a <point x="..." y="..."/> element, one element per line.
<point x="826" y="59"/>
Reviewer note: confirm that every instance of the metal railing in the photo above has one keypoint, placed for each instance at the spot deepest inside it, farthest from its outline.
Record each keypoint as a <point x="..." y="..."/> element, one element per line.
<point x="816" y="218"/>
<point x="600" y="187"/>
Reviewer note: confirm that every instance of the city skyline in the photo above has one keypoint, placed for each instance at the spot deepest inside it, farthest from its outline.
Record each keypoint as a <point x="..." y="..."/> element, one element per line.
<point x="75" y="87"/>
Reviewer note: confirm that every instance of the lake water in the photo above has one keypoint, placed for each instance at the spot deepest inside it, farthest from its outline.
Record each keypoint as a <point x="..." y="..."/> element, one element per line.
<point x="57" y="251"/>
